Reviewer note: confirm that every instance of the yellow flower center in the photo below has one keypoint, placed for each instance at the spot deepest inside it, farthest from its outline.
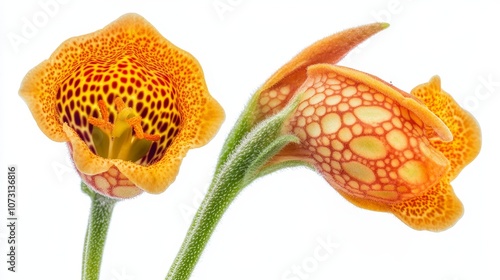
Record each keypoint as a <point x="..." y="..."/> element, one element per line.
<point x="124" y="139"/>
<point x="149" y="93"/>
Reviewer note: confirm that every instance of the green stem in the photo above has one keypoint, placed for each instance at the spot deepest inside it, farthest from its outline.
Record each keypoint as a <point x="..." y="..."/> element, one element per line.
<point x="97" y="229"/>
<point x="206" y="219"/>
<point x="244" y="155"/>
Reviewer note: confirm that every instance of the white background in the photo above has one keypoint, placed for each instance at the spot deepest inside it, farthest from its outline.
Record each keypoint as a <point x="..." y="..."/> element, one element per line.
<point x="278" y="222"/>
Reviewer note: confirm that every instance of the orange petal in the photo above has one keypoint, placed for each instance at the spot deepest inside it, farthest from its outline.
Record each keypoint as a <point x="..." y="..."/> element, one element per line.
<point x="85" y="160"/>
<point x="437" y="209"/>
<point x="154" y="178"/>
<point x="366" y="137"/>
<point x="365" y="203"/>
<point x="277" y="90"/>
<point x="466" y="142"/>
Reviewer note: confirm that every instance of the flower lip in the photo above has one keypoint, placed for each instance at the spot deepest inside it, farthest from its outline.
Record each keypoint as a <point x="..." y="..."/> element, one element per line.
<point x="129" y="59"/>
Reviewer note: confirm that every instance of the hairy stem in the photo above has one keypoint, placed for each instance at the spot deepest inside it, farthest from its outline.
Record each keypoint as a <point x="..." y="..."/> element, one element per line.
<point x="97" y="230"/>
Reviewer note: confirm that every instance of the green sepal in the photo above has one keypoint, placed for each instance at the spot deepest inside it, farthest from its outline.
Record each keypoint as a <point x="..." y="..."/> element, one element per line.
<point x="267" y="169"/>
<point x="258" y="146"/>
<point x="87" y="190"/>
<point x="266" y="155"/>
<point x="242" y="127"/>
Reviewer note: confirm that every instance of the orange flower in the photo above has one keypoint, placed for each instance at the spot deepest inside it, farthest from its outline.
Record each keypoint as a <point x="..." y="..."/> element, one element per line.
<point x="163" y="107"/>
<point x="379" y="147"/>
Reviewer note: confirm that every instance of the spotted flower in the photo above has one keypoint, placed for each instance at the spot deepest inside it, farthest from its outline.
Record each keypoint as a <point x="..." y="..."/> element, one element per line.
<point x="129" y="104"/>
<point x="381" y="148"/>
